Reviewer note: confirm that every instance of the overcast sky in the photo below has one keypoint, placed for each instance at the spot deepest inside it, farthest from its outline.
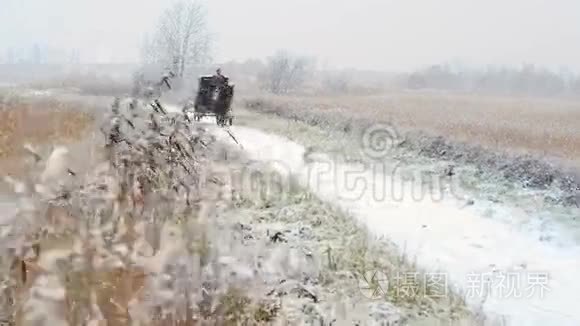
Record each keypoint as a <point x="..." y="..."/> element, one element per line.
<point x="380" y="34"/>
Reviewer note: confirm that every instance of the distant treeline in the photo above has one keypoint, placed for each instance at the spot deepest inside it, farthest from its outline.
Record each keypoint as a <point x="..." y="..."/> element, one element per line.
<point x="527" y="80"/>
<point x="284" y="73"/>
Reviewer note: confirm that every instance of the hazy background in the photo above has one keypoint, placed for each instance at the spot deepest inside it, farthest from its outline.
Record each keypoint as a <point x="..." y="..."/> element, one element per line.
<point x="368" y="34"/>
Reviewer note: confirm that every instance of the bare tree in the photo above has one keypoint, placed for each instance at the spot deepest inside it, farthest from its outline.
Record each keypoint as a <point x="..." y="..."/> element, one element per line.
<point x="285" y="72"/>
<point x="181" y="39"/>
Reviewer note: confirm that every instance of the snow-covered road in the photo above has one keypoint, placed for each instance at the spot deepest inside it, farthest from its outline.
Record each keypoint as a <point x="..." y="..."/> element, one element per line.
<point x="532" y="283"/>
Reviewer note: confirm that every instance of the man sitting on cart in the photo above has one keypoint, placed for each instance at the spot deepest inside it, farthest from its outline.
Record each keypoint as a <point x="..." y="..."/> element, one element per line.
<point x="219" y="79"/>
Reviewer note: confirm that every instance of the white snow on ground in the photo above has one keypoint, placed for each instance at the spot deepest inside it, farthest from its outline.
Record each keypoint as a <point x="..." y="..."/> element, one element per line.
<point x="442" y="236"/>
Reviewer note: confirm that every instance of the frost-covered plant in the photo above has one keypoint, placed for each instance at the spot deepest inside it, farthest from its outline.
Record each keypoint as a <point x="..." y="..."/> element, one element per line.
<point x="127" y="243"/>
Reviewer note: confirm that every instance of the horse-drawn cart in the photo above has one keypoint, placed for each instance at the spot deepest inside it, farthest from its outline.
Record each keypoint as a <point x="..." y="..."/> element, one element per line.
<point x="214" y="99"/>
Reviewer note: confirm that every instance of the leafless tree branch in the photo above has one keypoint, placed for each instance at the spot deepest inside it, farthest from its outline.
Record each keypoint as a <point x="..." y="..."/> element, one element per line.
<point x="181" y="39"/>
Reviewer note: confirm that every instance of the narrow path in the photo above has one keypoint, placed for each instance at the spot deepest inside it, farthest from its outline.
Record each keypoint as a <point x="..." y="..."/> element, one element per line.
<point x="444" y="236"/>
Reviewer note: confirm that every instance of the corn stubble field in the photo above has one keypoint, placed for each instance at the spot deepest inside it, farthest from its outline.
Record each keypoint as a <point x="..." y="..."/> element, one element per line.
<point x="133" y="223"/>
<point x="538" y="126"/>
<point x="532" y="142"/>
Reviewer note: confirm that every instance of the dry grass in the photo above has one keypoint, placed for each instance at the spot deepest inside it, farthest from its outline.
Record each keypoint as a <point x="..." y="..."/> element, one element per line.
<point x="125" y="243"/>
<point x="545" y="127"/>
<point x="137" y="240"/>
<point x="37" y="123"/>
